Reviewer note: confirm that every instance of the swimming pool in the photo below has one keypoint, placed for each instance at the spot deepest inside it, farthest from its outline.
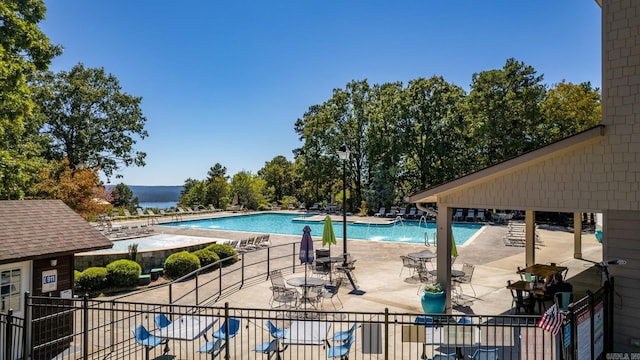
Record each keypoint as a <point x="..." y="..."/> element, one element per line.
<point x="405" y="232"/>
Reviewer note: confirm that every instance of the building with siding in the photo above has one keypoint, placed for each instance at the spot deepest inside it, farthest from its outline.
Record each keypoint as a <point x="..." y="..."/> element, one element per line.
<point x="596" y="171"/>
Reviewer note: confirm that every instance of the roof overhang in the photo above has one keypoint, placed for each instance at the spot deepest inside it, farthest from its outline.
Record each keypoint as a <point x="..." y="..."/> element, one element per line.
<point x="527" y="159"/>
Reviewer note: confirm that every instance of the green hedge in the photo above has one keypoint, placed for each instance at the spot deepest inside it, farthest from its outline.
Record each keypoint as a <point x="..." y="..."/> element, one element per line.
<point x="124" y="273"/>
<point x="180" y="264"/>
<point x="224" y="251"/>
<point x="206" y="256"/>
<point x="92" y="279"/>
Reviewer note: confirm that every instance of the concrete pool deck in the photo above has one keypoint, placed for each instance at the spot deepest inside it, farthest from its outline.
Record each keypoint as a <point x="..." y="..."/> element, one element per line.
<point x="378" y="267"/>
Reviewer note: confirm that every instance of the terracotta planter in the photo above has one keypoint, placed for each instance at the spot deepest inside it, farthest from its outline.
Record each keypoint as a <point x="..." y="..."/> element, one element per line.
<point x="433" y="303"/>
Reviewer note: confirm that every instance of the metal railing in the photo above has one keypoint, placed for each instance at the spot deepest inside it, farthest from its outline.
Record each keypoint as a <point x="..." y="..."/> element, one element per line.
<point x="12" y="336"/>
<point x="83" y="328"/>
<point x="216" y="281"/>
<point x="104" y="329"/>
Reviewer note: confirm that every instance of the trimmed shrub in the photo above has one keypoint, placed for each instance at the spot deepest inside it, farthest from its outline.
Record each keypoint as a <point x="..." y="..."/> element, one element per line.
<point x="180" y="264"/>
<point x="206" y="257"/>
<point x="124" y="273"/>
<point x="92" y="279"/>
<point x="76" y="275"/>
<point x="224" y="251"/>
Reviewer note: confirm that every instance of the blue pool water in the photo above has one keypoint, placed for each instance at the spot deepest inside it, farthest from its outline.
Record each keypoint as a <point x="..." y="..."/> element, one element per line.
<point x="406" y="232"/>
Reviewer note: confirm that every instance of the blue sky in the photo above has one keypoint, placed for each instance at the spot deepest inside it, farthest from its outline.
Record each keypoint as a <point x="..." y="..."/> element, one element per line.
<point x="225" y="81"/>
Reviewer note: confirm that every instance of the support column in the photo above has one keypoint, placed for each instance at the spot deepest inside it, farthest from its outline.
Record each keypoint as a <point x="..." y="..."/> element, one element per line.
<point x="530" y="237"/>
<point x="443" y="241"/>
<point x="577" y="235"/>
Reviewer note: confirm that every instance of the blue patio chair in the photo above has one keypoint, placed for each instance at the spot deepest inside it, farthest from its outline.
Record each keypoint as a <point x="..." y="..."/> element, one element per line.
<point x="451" y="356"/>
<point x="275" y="332"/>
<point x="162" y="321"/>
<point x="267" y="347"/>
<point x="485" y="354"/>
<point x="234" y="328"/>
<point x="426" y="320"/>
<point x="341" y="350"/>
<point x="149" y="341"/>
<point x="563" y="299"/>
<point x="220" y="335"/>
<point x="344" y="335"/>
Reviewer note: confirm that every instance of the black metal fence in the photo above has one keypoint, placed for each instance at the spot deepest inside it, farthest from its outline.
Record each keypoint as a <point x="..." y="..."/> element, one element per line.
<point x="107" y="329"/>
<point x="587" y="332"/>
<point x="12" y="336"/>
<point x="83" y="328"/>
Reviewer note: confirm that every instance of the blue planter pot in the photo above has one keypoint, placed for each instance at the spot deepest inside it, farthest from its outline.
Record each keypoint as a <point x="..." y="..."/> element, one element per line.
<point x="433" y="303"/>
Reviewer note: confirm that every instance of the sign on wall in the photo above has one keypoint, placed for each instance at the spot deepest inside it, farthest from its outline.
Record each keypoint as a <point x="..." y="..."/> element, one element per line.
<point x="49" y="280"/>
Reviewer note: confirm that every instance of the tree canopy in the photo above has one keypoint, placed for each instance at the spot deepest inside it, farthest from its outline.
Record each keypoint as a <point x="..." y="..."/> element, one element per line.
<point x="89" y="119"/>
<point x="24" y="50"/>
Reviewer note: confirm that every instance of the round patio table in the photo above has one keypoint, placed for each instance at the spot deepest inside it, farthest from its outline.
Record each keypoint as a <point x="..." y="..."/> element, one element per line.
<point x="423" y="255"/>
<point x="454" y="273"/>
<point x="305" y="281"/>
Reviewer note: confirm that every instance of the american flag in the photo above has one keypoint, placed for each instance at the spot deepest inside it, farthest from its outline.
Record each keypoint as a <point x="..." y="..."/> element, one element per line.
<point x="552" y="320"/>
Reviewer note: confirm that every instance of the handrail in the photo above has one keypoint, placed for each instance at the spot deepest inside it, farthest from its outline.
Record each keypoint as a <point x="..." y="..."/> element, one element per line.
<point x="272" y="261"/>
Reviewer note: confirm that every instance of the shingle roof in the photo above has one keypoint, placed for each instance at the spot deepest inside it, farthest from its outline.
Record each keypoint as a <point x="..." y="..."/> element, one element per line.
<point x="36" y="228"/>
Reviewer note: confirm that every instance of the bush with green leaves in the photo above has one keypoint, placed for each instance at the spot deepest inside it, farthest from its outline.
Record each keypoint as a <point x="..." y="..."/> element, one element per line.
<point x="124" y="273"/>
<point x="224" y="251"/>
<point x="180" y="264"/>
<point x="92" y="279"/>
<point x="206" y="256"/>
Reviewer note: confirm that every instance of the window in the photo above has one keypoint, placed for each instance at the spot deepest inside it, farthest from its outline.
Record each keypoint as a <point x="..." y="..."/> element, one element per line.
<point x="10" y="290"/>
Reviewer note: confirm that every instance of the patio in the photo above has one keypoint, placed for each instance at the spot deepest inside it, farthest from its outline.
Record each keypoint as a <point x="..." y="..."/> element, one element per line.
<point x="379" y="266"/>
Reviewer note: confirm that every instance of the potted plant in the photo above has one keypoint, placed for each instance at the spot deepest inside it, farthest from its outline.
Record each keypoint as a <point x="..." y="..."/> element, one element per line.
<point x="433" y="299"/>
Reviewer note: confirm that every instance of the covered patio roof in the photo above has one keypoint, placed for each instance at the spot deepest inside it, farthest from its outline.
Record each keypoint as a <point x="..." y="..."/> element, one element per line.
<point x="530" y="158"/>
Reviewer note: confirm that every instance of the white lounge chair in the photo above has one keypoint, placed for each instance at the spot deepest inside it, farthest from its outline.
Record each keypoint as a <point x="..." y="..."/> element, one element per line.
<point x="458" y="215"/>
<point x="381" y="212"/>
<point x="471" y="215"/>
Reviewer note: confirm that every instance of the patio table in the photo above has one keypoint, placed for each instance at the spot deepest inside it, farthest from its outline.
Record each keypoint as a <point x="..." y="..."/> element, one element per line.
<point x="543" y="271"/>
<point x="328" y="261"/>
<point x="187" y="327"/>
<point x="454" y="273"/>
<point x="305" y="283"/>
<point x="304" y="332"/>
<point x="536" y="292"/>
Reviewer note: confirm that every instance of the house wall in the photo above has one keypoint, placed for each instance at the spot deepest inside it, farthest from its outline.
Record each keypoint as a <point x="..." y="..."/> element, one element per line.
<point x="59" y="323"/>
<point x="621" y="238"/>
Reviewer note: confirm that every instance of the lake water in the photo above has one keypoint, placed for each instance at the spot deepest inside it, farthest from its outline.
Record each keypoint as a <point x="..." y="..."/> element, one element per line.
<point x="158" y="205"/>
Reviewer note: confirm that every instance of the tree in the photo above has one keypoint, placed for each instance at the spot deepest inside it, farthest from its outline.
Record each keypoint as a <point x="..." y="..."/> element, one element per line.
<point x="432" y="127"/>
<point x="504" y="109"/>
<point x="89" y="120"/>
<point x="122" y="196"/>
<point x="249" y="188"/>
<point x="278" y="175"/>
<point x="217" y="189"/>
<point x="24" y="49"/>
<point x="569" y="108"/>
<point x="80" y="189"/>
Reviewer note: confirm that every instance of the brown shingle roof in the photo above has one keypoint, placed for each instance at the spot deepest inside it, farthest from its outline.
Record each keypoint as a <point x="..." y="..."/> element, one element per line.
<point x="35" y="228"/>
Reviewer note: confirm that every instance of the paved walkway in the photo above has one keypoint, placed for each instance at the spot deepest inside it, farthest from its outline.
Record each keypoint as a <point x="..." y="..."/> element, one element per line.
<point x="378" y="269"/>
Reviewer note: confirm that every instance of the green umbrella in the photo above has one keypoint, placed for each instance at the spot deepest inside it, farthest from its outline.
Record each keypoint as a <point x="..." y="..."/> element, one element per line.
<point x="328" y="237"/>
<point x="454" y="250"/>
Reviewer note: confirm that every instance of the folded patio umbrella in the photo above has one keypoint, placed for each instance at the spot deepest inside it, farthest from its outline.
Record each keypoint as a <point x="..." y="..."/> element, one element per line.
<point x="306" y="252"/>
<point x="328" y="236"/>
<point x="454" y="250"/>
<point x="306" y="247"/>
